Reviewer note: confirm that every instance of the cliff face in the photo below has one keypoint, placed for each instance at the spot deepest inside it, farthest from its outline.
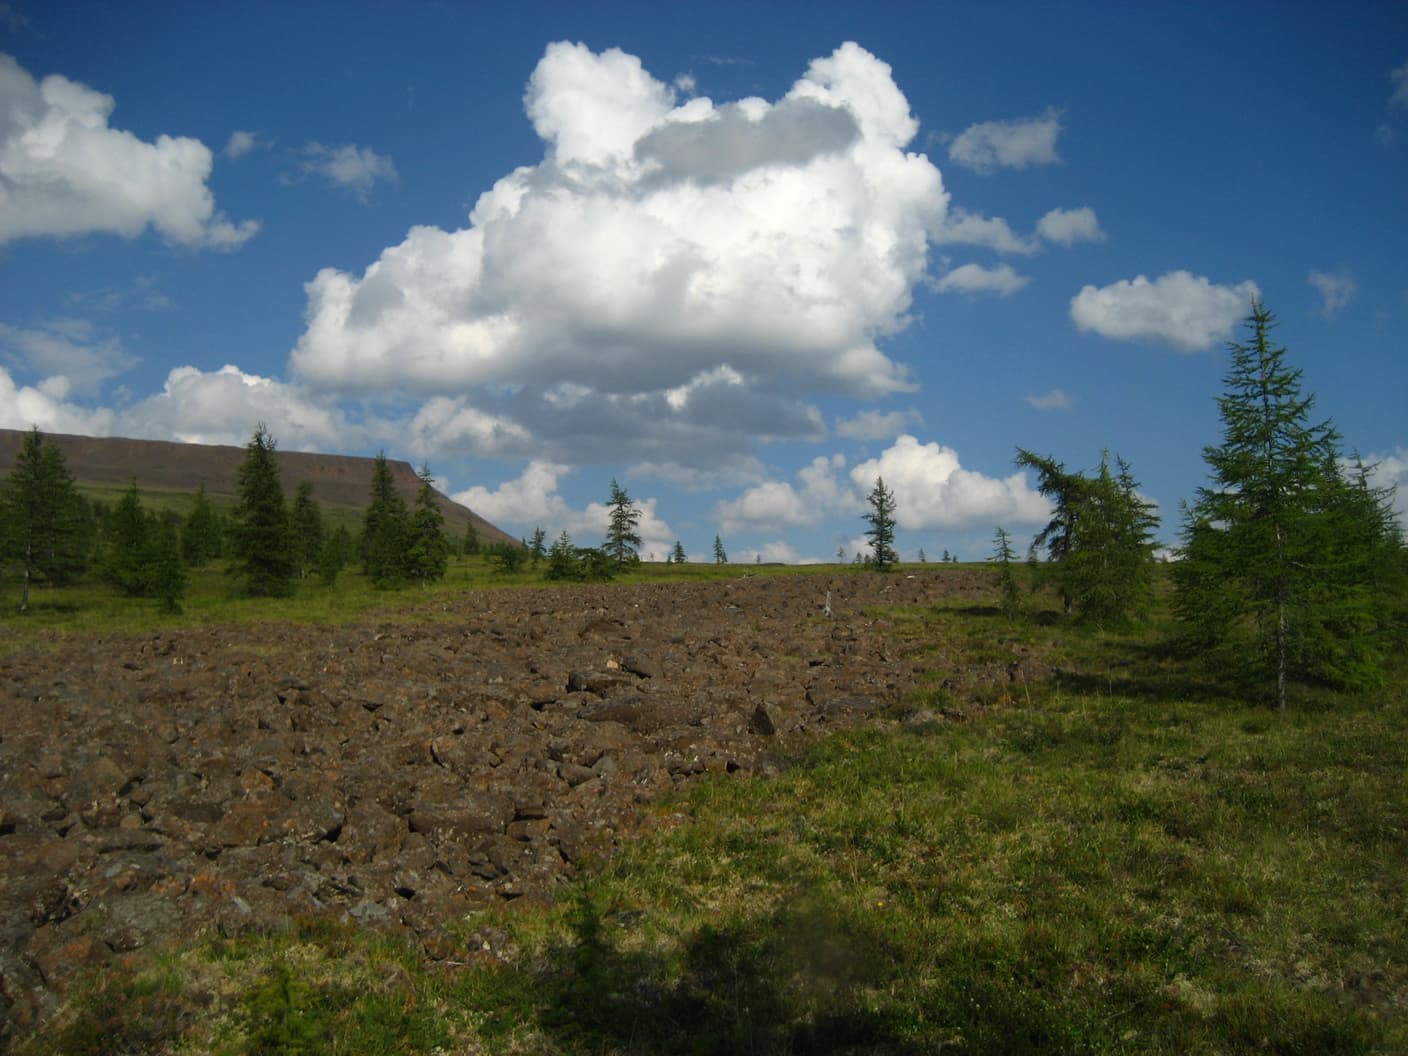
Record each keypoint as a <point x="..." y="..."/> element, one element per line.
<point x="163" y="466"/>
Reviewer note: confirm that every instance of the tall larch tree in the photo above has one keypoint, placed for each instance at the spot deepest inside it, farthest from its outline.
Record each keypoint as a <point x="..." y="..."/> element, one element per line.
<point x="1280" y="551"/>
<point x="307" y="527"/>
<point x="201" y="534"/>
<point x="385" y="525"/>
<point x="623" y="518"/>
<point x="881" y="532"/>
<point x="261" y="542"/>
<point x="427" y="545"/>
<point x="41" y="516"/>
<point x="1100" y="541"/>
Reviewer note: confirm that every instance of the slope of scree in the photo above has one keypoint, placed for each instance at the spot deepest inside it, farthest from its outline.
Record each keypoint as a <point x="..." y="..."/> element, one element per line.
<point x="400" y="773"/>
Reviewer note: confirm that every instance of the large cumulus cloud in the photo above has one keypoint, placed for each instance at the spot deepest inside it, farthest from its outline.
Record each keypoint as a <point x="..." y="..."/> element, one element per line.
<point x="660" y="244"/>
<point x="64" y="171"/>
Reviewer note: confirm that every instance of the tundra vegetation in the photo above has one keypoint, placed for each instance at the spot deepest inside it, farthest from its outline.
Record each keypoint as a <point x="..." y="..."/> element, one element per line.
<point x="1117" y="848"/>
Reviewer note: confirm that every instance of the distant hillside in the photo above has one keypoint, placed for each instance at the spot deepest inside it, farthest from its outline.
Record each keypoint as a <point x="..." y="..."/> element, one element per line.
<point x="340" y="482"/>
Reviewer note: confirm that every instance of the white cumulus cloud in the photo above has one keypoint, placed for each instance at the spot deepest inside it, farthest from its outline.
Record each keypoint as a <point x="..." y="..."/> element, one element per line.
<point x="658" y="243"/>
<point x="1055" y="400"/>
<point x="226" y="405"/>
<point x="1336" y="290"/>
<point x="45" y="405"/>
<point x="933" y="491"/>
<point x="992" y="232"/>
<point x="356" y="168"/>
<point x="775" y="504"/>
<point x="1179" y="309"/>
<point x="532" y="501"/>
<point x="1069" y="226"/>
<point x="240" y="143"/>
<point x="1008" y="144"/>
<point x="64" y="171"/>
<point x="874" y="425"/>
<point x="72" y="349"/>
<point x="1002" y="280"/>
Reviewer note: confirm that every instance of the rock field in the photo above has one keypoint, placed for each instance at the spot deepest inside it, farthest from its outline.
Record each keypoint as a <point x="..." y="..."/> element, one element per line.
<point x="403" y="771"/>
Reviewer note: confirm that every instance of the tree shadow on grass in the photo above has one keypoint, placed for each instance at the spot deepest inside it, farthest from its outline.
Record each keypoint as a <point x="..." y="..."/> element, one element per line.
<point x="791" y="981"/>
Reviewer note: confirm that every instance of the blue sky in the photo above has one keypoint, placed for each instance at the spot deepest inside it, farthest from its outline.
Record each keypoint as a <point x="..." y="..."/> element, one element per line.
<point x="742" y="258"/>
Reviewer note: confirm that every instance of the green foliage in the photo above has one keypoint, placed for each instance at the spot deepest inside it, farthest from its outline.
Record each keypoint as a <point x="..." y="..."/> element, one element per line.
<point x="307" y="528"/>
<point x="1009" y="591"/>
<point x="427" y="554"/>
<point x="471" y="540"/>
<point x="1285" y="560"/>
<point x="720" y="555"/>
<point x="338" y="550"/>
<point x="677" y="554"/>
<point x="43" y="522"/>
<point x="1100" y="540"/>
<point x="537" y="546"/>
<point x="507" y="557"/>
<point x="166" y="570"/>
<point x="578" y="564"/>
<point x="260" y="539"/>
<point x="385" y="526"/>
<point x="202" y="535"/>
<point x="622" y="539"/>
<point x="881" y="532"/>
<point x="123" y="553"/>
<point x="1115" y="860"/>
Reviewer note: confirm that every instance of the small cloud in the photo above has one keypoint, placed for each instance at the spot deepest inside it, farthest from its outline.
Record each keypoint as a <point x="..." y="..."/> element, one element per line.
<point x="1055" y="400"/>
<point x="240" y="143"/>
<point x="12" y="19"/>
<point x="356" y="168"/>
<point x="686" y="84"/>
<point x="1180" y="309"/>
<point x="1069" y="226"/>
<point x="992" y="232"/>
<point x="974" y="278"/>
<point x="872" y="425"/>
<point x="1008" y="144"/>
<point x="1399" y="77"/>
<point x="68" y="349"/>
<point x="1336" y="290"/>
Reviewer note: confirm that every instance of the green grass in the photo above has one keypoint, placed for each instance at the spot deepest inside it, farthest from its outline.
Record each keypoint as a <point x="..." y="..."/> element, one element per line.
<point x="213" y="596"/>
<point x="1113" y="859"/>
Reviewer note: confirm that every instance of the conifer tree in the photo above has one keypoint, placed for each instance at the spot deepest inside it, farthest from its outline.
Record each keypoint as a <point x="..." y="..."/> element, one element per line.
<point x="338" y="549"/>
<point x="471" y="539"/>
<point x="677" y="555"/>
<point x="41" y="516"/>
<point x="125" y="547"/>
<point x="562" y="558"/>
<point x="260" y="540"/>
<point x="881" y="519"/>
<point x="720" y="555"/>
<point x="307" y="527"/>
<point x="1009" y="590"/>
<point x="427" y="547"/>
<point x="200" y="535"/>
<point x="1280" y="551"/>
<point x="384" y="529"/>
<point x="1100" y="540"/>
<point x="537" y="548"/>
<point x="165" y="572"/>
<point x="622" y="539"/>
